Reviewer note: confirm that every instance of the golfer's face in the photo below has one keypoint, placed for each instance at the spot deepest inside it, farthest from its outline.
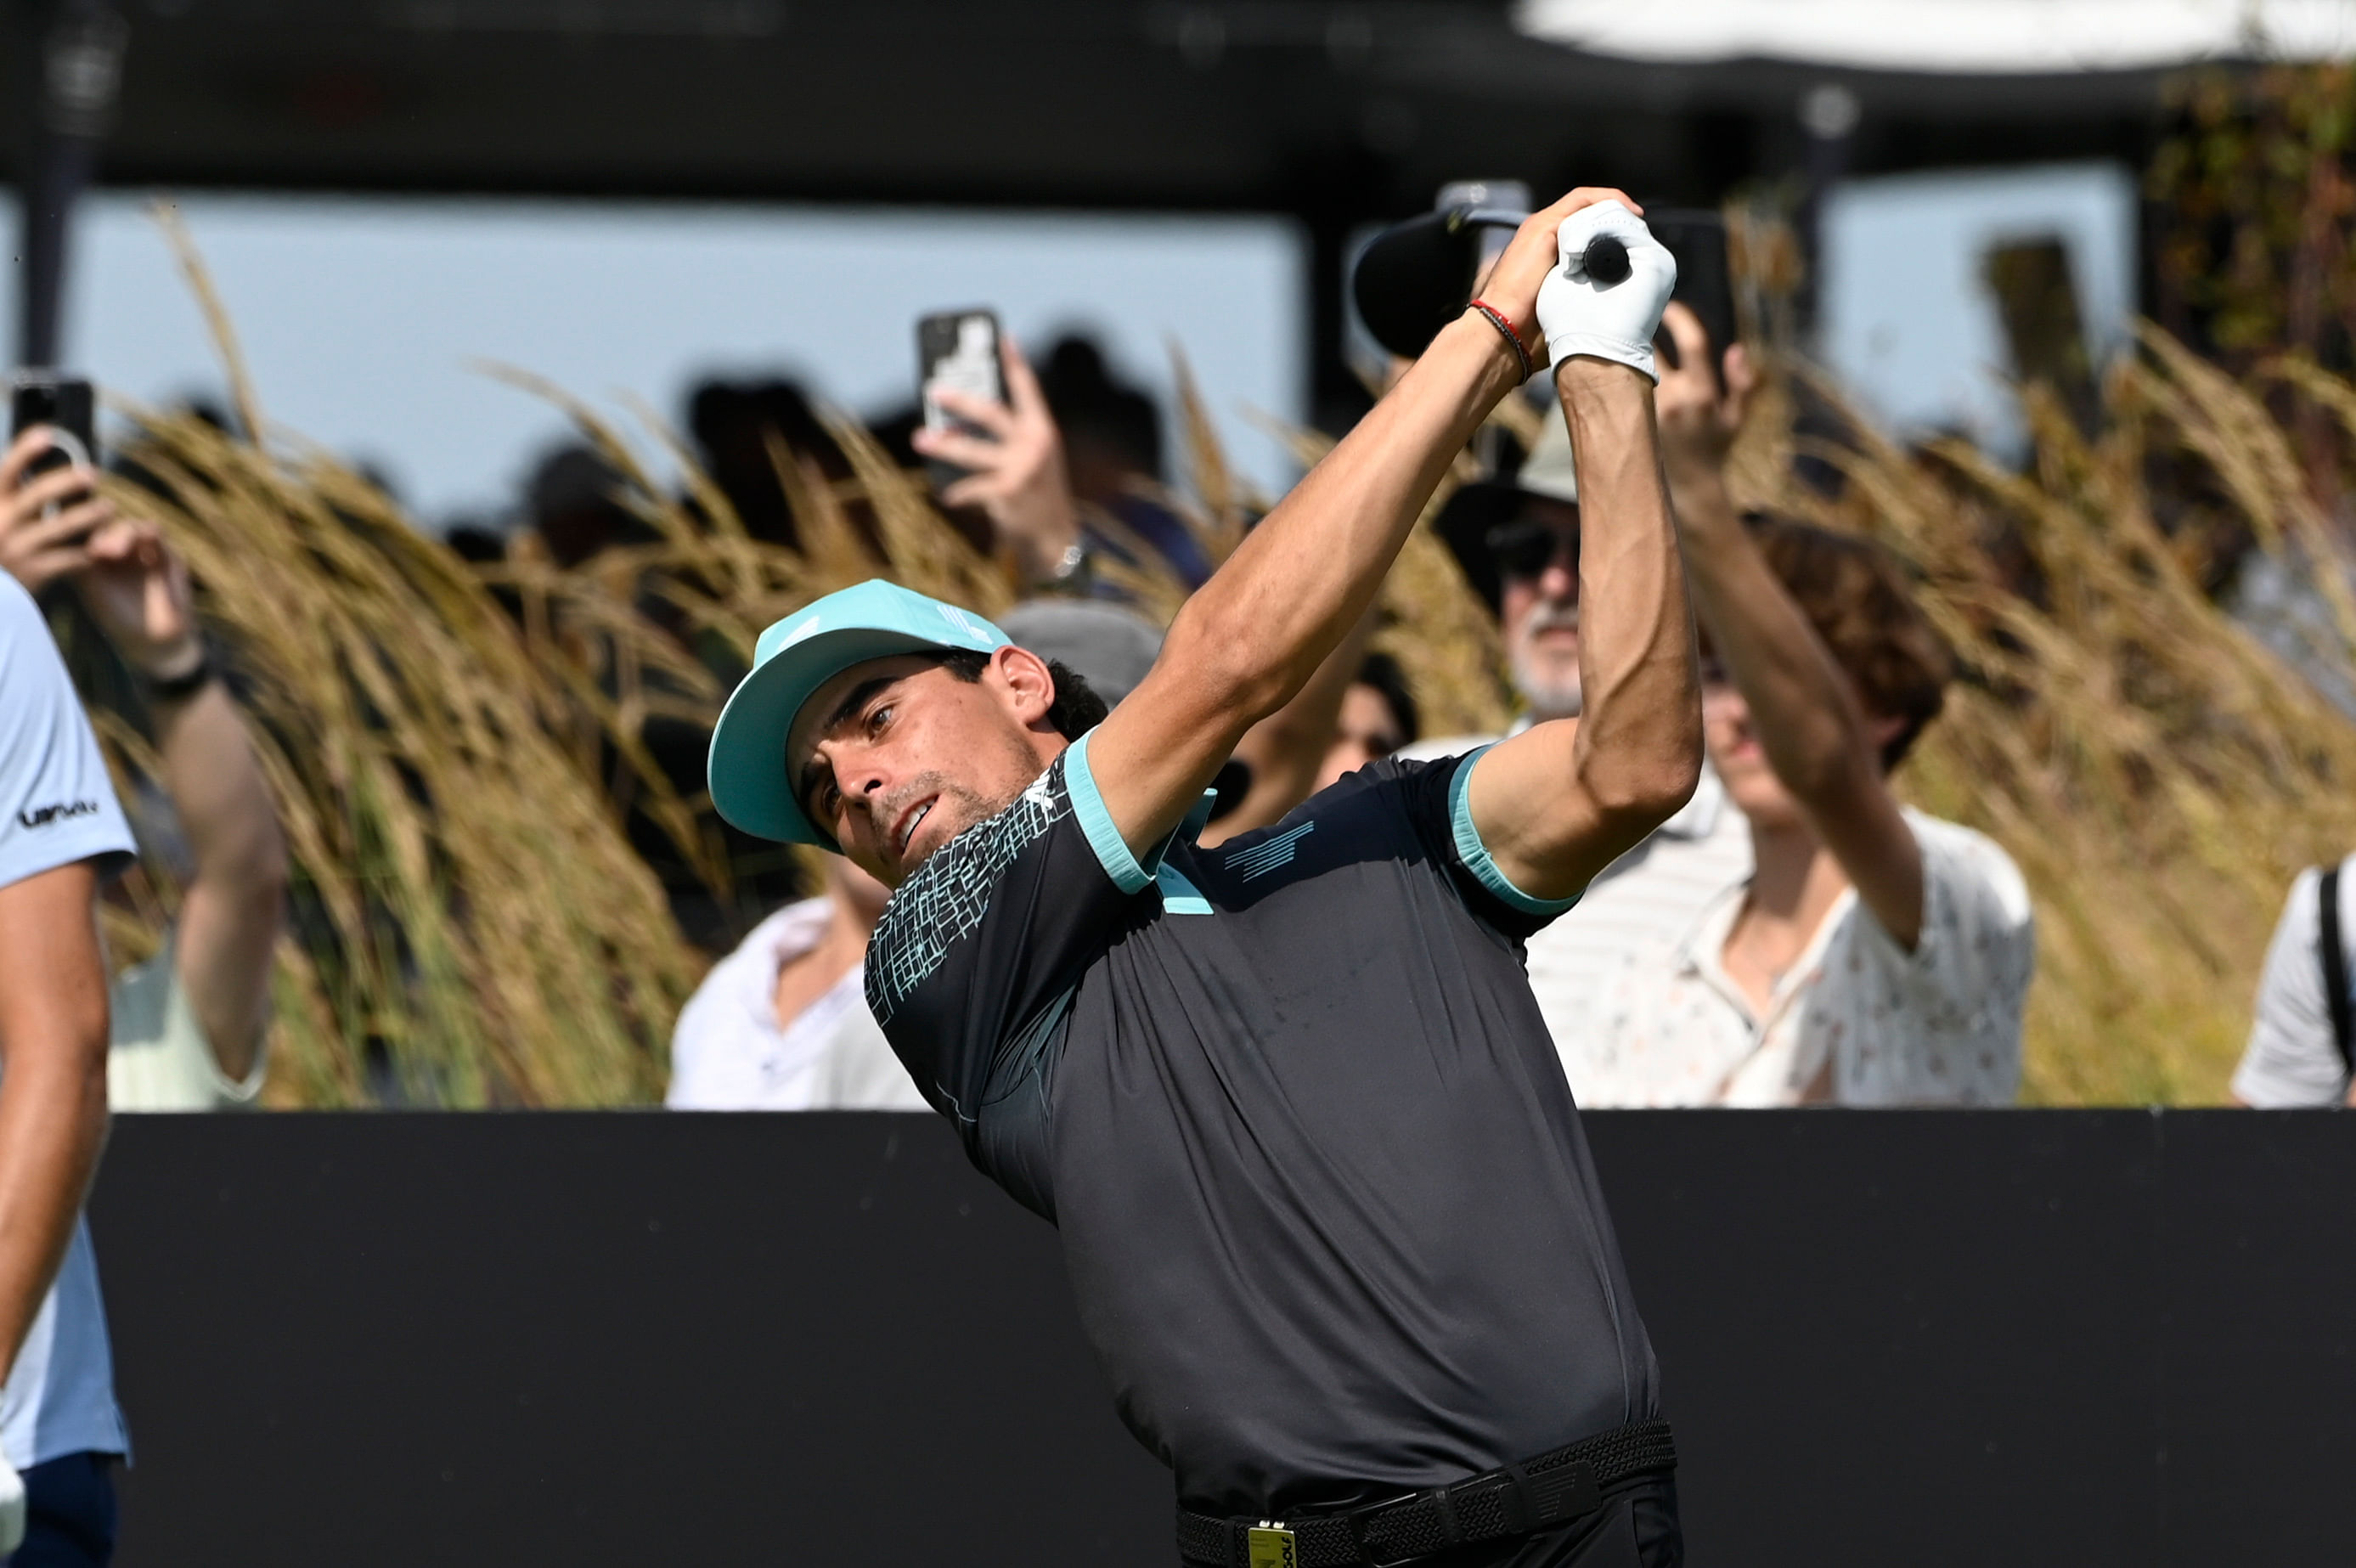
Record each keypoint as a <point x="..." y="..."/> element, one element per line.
<point x="898" y="755"/>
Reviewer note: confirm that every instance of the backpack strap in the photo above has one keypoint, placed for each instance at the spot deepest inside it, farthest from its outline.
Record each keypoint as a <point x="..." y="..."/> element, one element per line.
<point x="2335" y="970"/>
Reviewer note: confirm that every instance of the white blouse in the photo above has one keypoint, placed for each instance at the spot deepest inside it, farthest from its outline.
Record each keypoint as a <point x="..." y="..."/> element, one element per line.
<point x="1857" y="1020"/>
<point x="728" y="1051"/>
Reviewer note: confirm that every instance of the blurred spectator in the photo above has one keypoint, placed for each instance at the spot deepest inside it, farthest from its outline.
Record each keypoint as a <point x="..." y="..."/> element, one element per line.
<point x="741" y="429"/>
<point x="2305" y="1031"/>
<point x="1112" y="440"/>
<point x="59" y="830"/>
<point x="572" y="502"/>
<point x="1113" y="433"/>
<point x="1377" y="718"/>
<point x="473" y="540"/>
<point x="782" y="1023"/>
<point x="1519" y="544"/>
<point x="189" y="1023"/>
<point x="574" y="506"/>
<point x="1060" y="500"/>
<point x="1875" y="955"/>
<point x="1014" y="475"/>
<point x="1111" y="648"/>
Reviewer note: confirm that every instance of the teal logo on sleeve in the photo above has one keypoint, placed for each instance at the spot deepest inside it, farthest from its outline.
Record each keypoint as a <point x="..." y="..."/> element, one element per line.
<point x="1268" y="854"/>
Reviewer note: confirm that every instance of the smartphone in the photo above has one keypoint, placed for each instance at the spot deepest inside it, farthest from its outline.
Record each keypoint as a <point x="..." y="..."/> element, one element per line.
<point x="956" y="349"/>
<point x="65" y="405"/>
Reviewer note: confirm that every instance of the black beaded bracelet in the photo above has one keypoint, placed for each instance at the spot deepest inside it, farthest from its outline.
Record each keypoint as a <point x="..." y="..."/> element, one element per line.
<point x="1496" y="318"/>
<point x="181" y="687"/>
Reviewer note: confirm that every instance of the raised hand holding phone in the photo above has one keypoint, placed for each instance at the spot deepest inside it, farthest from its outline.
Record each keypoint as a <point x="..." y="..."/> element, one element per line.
<point x="136" y="588"/>
<point x="48" y="509"/>
<point x="64" y="406"/>
<point x="1009" y="456"/>
<point x="956" y="353"/>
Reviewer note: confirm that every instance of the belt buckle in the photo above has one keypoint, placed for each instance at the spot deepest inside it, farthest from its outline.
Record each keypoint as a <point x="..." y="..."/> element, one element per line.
<point x="1268" y="1544"/>
<point x="1358" y="1517"/>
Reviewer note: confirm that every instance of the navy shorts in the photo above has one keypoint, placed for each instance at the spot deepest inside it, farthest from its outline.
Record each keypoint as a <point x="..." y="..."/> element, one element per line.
<point x="69" y="1513"/>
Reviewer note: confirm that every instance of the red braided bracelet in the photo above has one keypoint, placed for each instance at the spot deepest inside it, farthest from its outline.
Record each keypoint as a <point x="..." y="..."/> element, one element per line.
<point x="1497" y="319"/>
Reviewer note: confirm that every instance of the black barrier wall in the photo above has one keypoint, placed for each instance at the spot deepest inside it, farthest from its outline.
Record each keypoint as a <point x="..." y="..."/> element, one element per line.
<point x="1896" y="1339"/>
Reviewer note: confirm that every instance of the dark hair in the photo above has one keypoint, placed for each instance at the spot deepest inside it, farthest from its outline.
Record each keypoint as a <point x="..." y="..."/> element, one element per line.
<point x="1856" y="596"/>
<point x="1381" y="672"/>
<point x="1076" y="709"/>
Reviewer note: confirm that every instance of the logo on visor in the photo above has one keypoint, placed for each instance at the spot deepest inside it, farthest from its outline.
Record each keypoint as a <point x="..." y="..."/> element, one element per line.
<point x="962" y="621"/>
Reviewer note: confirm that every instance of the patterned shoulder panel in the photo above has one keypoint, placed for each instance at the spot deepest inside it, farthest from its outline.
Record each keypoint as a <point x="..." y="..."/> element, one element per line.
<point x="950" y="894"/>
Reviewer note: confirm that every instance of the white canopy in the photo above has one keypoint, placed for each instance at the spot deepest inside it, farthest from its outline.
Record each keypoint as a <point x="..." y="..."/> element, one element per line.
<point x="2008" y="37"/>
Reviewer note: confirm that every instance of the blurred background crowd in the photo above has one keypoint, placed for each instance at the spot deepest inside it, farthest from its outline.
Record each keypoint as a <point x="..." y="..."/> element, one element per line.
<point x="436" y="528"/>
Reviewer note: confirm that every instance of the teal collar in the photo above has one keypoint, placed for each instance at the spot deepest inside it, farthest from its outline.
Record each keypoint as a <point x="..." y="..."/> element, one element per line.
<point x="1197" y="816"/>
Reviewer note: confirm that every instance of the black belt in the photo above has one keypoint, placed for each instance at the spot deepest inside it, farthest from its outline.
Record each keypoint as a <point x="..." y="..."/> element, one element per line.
<point x="1515" y="1500"/>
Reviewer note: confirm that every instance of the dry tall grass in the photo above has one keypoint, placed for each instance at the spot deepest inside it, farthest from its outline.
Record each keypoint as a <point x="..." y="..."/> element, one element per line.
<point x="477" y="929"/>
<point x="472" y="927"/>
<point x="2157" y="771"/>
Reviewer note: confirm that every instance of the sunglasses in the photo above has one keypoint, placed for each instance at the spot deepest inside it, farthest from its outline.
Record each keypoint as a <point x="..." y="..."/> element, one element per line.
<point x="1528" y="548"/>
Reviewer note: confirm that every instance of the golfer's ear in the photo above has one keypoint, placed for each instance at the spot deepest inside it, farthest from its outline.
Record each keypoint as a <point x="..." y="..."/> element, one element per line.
<point x="1030" y="688"/>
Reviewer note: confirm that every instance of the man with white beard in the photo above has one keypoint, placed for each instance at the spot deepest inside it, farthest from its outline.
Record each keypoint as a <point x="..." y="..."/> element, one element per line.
<point x="1652" y="894"/>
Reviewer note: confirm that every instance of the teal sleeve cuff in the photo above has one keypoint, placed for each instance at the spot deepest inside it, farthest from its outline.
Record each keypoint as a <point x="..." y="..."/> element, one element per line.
<point x="1475" y="855"/>
<point x="1113" y="850"/>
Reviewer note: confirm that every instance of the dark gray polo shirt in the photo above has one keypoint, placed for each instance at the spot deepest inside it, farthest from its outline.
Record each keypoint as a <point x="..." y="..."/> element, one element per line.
<point x="1322" y="1193"/>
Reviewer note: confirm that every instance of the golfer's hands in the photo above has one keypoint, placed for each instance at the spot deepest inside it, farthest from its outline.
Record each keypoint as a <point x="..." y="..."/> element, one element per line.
<point x="1513" y="284"/>
<point x="1017" y="476"/>
<point x="1583" y="316"/>
<point x="35" y="549"/>
<point x="12" y="1509"/>
<point x="1698" y="421"/>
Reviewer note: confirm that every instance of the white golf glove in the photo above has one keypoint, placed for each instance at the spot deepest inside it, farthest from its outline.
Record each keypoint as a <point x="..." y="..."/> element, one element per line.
<point x="12" y="1509"/>
<point x="1616" y="321"/>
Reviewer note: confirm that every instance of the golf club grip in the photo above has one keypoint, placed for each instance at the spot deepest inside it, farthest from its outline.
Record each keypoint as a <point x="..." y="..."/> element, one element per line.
<point x="1606" y="260"/>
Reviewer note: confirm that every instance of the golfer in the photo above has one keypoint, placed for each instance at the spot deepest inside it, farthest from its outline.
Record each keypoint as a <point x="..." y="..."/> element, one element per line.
<point x="1322" y="1193"/>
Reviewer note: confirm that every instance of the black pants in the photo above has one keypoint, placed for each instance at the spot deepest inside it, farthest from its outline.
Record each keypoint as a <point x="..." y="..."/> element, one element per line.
<point x="69" y="1513"/>
<point x="1635" y="1528"/>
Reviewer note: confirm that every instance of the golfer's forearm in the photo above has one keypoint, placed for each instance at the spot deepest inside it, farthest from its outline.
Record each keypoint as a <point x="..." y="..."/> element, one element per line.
<point x="52" y="1126"/>
<point x="1637" y="750"/>
<point x="1255" y="633"/>
<point x="1809" y="725"/>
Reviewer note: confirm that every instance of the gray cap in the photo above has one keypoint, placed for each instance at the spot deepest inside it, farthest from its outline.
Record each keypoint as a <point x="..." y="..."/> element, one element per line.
<point x="1111" y="648"/>
<point x="1549" y="469"/>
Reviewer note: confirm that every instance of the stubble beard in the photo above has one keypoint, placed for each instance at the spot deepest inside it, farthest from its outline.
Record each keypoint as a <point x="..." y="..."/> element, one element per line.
<point x="966" y="803"/>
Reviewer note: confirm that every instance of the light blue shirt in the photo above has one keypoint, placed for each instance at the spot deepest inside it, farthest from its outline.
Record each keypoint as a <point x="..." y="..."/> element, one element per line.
<point x="57" y="807"/>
